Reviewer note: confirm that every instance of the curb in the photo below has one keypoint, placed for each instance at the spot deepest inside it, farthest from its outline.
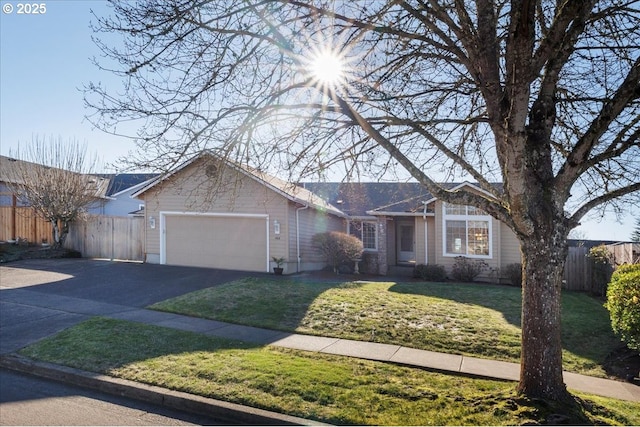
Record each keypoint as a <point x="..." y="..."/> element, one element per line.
<point x="225" y="411"/>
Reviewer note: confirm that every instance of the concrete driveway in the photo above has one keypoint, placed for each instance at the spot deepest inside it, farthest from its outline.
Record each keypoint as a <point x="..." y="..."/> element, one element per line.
<point x="42" y="297"/>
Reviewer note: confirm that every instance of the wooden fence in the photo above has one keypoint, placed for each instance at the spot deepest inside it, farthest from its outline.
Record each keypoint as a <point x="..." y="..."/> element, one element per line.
<point x="582" y="274"/>
<point x="578" y="270"/>
<point x="19" y="222"/>
<point x="108" y="237"/>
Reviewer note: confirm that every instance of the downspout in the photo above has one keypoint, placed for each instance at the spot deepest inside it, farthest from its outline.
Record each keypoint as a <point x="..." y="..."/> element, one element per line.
<point x="298" y="235"/>
<point x="426" y="246"/>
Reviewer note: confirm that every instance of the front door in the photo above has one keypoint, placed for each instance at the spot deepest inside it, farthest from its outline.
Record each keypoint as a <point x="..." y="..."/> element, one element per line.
<point x="406" y="242"/>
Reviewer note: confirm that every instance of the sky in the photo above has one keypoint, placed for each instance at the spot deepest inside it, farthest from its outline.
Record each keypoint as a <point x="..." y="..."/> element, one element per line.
<point x="45" y="62"/>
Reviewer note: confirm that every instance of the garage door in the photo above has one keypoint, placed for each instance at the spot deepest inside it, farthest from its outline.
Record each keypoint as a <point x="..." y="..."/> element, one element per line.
<point x="228" y="242"/>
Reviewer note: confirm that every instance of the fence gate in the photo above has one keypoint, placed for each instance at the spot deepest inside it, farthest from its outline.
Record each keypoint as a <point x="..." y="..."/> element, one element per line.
<point x="108" y="237"/>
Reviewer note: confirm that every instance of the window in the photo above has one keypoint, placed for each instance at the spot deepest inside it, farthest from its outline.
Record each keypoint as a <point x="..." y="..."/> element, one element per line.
<point x="365" y="231"/>
<point x="467" y="231"/>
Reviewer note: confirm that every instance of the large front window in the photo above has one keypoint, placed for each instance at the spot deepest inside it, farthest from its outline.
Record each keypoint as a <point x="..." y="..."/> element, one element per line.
<point x="467" y="231"/>
<point x="365" y="231"/>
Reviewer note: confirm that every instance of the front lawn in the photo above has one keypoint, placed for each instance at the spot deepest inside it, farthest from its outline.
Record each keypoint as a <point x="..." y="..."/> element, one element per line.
<point x="471" y="319"/>
<point x="322" y="387"/>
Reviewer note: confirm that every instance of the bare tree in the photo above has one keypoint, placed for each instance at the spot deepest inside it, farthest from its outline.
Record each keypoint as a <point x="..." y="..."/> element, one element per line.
<point x="55" y="179"/>
<point x="540" y="95"/>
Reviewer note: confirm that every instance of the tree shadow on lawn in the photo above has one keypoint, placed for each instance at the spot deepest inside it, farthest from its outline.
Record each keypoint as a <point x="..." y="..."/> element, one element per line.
<point x="279" y="303"/>
<point x="586" y="329"/>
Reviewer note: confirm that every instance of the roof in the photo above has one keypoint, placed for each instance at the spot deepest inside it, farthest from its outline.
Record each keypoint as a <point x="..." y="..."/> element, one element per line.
<point x="590" y="243"/>
<point x="10" y="172"/>
<point x="345" y="199"/>
<point x="288" y="190"/>
<point x="360" y="199"/>
<point x="124" y="181"/>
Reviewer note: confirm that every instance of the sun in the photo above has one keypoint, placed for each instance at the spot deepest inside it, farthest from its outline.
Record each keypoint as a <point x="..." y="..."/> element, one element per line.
<point x="327" y="68"/>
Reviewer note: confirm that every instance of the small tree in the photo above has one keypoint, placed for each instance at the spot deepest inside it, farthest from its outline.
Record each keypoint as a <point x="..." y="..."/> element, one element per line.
<point x="623" y="303"/>
<point x="54" y="178"/>
<point x="338" y="248"/>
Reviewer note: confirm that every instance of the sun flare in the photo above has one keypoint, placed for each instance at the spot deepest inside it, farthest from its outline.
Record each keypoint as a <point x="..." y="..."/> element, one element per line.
<point x="328" y="68"/>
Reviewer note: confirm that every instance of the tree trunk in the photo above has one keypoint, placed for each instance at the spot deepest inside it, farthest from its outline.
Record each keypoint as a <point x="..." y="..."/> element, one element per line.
<point x="64" y="232"/>
<point x="55" y="234"/>
<point x="544" y="257"/>
<point x="60" y="232"/>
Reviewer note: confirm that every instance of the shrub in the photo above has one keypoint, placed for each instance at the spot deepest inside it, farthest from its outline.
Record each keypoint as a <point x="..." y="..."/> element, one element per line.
<point x="514" y="273"/>
<point x="369" y="264"/>
<point x="466" y="270"/>
<point x="602" y="268"/>
<point x="338" y="248"/>
<point x="623" y="303"/>
<point x="430" y="272"/>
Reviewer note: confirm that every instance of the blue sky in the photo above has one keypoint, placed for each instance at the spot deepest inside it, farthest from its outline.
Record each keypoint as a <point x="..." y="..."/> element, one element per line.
<point x="44" y="63"/>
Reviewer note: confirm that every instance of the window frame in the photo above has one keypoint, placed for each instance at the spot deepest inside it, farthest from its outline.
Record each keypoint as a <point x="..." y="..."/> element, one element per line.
<point x="477" y="215"/>
<point x="360" y="228"/>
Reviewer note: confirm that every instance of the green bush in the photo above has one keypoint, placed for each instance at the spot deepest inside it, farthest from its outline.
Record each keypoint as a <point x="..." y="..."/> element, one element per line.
<point x="338" y="248"/>
<point x="514" y="273"/>
<point x="602" y="268"/>
<point x="465" y="270"/>
<point x="623" y="303"/>
<point x="430" y="272"/>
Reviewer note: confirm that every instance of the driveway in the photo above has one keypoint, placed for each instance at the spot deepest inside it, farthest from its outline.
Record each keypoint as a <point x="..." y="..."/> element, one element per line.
<point x="42" y="297"/>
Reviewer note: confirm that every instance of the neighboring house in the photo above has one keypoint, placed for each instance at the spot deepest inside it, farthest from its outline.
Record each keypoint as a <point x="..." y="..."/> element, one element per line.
<point x="121" y="186"/>
<point x="252" y="216"/>
<point x="10" y="171"/>
<point x="17" y="219"/>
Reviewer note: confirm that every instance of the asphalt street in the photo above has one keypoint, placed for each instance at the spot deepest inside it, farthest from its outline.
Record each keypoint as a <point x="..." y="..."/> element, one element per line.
<point x="29" y="400"/>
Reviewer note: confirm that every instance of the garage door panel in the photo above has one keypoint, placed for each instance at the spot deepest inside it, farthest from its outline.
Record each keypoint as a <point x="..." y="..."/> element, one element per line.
<point x="228" y="242"/>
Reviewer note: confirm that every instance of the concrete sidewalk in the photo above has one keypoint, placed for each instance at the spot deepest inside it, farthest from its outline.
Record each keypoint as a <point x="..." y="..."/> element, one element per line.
<point x="441" y="362"/>
<point x="452" y="363"/>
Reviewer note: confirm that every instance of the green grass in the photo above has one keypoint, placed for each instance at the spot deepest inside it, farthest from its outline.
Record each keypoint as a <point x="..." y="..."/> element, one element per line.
<point x="326" y="388"/>
<point x="470" y="319"/>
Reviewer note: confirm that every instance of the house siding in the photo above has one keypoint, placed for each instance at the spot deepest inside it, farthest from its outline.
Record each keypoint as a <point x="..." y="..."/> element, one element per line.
<point x="192" y="191"/>
<point x="311" y="222"/>
<point x="431" y="240"/>
<point x="123" y="205"/>
<point x="509" y="246"/>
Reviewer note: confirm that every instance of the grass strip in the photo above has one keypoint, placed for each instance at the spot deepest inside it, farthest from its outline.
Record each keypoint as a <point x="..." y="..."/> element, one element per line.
<point x="326" y="388"/>
<point x="478" y="320"/>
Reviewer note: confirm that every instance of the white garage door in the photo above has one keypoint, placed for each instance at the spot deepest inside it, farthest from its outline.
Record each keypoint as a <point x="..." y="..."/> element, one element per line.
<point x="228" y="242"/>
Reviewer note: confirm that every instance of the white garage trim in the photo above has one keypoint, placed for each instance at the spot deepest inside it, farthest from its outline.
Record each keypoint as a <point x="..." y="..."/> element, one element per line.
<point x="163" y="228"/>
